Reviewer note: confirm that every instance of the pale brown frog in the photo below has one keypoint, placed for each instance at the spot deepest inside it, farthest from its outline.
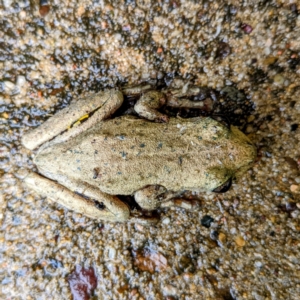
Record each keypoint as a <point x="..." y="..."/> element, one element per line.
<point x="84" y="167"/>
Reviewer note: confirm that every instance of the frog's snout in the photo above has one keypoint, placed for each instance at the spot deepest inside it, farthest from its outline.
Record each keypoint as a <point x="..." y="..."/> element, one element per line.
<point x="246" y="149"/>
<point x="252" y="152"/>
<point x="249" y="158"/>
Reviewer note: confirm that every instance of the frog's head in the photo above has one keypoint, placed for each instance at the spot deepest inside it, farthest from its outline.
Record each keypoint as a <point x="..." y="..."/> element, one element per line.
<point x="239" y="157"/>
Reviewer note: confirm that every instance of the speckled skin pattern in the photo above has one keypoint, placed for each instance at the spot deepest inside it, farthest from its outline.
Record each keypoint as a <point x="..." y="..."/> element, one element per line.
<point x="130" y="153"/>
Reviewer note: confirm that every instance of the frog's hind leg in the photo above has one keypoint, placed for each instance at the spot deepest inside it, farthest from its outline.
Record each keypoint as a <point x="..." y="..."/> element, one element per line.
<point x="86" y="199"/>
<point x="95" y="107"/>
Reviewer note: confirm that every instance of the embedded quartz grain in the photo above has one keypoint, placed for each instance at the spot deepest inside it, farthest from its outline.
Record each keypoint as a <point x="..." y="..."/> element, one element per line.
<point x="249" y="248"/>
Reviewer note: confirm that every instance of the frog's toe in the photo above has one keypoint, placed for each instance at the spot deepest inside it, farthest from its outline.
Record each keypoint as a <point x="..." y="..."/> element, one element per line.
<point x="183" y="203"/>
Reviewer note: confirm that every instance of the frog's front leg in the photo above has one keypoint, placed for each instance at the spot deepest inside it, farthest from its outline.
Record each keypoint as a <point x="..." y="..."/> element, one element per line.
<point x="96" y="107"/>
<point x="153" y="196"/>
<point x="86" y="199"/>
<point x="149" y="103"/>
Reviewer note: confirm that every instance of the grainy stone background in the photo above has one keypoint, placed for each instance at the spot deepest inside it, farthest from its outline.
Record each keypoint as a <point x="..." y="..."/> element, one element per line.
<point x="249" y="248"/>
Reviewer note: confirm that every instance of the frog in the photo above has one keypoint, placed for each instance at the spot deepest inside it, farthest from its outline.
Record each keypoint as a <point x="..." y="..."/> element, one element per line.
<point x="85" y="158"/>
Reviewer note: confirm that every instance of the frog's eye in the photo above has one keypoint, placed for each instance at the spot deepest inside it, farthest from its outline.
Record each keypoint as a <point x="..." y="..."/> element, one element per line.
<point x="224" y="187"/>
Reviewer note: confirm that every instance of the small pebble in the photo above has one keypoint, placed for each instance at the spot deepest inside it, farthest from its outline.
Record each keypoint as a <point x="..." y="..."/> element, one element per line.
<point x="82" y="282"/>
<point x="7" y="3"/>
<point x="112" y="253"/>
<point x="294" y="188"/>
<point x="251" y="118"/>
<point x="169" y="290"/>
<point x="226" y="203"/>
<point x="278" y="79"/>
<point x="291" y="162"/>
<point x="240" y="241"/>
<point x="294" y="127"/>
<point x="5" y="115"/>
<point x="293" y="8"/>
<point x="249" y="129"/>
<point x="150" y="261"/>
<point x="270" y="60"/>
<point x="166" y="221"/>
<point x="258" y="264"/>
<point x="80" y="11"/>
<point x="139" y="227"/>
<point x="44" y="8"/>
<point x="247" y="28"/>
<point x="211" y="271"/>
<point x="206" y="221"/>
<point x="21" y="80"/>
<point x="22" y="15"/>
<point x="9" y="88"/>
<point x="223" y="50"/>
<point x="222" y="237"/>
<point x="188" y="276"/>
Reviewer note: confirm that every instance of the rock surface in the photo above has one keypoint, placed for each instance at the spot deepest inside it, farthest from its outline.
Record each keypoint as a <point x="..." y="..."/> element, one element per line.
<point x="250" y="249"/>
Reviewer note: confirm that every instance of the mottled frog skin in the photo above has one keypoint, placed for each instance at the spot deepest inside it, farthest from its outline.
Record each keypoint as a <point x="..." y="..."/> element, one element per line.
<point x="154" y="160"/>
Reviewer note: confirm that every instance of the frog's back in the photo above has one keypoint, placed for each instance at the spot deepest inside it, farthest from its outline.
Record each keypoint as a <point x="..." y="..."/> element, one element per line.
<point x="125" y="154"/>
<point x="136" y="153"/>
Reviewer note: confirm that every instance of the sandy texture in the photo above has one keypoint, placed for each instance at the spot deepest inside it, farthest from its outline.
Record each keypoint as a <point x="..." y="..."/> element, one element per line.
<point x="240" y="245"/>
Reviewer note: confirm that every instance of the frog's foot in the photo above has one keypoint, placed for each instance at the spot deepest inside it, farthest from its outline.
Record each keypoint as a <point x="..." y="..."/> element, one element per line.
<point x="94" y="203"/>
<point x="94" y="108"/>
<point x="182" y="91"/>
<point x="179" y="98"/>
<point x="149" y="103"/>
<point x="135" y="90"/>
<point x="152" y="196"/>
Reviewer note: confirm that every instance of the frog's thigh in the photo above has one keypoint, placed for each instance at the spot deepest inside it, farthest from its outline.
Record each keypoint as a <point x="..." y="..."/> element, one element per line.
<point x="100" y="105"/>
<point x="114" y="210"/>
<point x="152" y="196"/>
